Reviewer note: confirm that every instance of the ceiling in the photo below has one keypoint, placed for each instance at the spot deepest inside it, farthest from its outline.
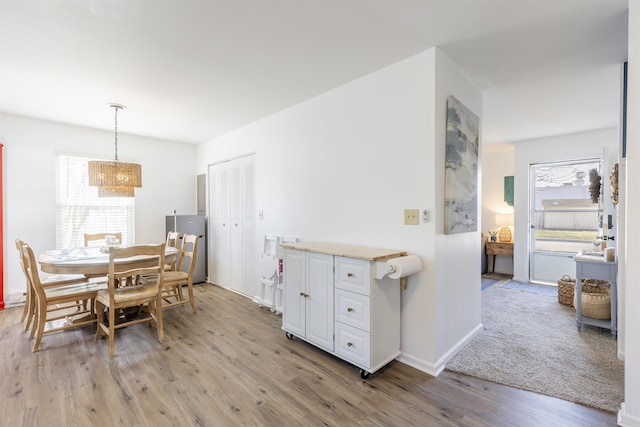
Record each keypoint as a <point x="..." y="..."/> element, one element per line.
<point x="191" y="70"/>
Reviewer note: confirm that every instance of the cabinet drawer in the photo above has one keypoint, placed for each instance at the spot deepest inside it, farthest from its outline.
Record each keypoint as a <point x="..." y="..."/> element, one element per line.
<point x="353" y="275"/>
<point x="353" y="345"/>
<point x="353" y="309"/>
<point x="495" y="248"/>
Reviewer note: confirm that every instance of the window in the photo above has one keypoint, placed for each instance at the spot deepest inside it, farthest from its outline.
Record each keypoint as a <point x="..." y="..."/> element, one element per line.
<point x="80" y="210"/>
<point x="565" y="218"/>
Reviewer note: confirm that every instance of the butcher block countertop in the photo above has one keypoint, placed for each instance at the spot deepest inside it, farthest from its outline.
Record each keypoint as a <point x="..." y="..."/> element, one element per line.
<point x="349" y="251"/>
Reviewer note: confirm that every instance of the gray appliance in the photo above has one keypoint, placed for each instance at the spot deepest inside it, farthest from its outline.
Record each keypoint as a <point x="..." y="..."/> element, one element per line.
<point x="192" y="224"/>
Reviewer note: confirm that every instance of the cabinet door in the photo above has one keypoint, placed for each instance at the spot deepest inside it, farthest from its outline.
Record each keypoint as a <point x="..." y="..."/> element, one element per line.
<point x="293" y="312"/>
<point x="319" y="302"/>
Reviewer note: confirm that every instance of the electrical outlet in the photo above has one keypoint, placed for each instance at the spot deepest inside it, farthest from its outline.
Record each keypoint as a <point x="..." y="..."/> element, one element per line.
<point x="412" y="216"/>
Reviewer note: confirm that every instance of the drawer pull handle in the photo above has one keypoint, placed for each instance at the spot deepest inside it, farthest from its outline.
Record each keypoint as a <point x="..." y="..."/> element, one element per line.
<point x="350" y="274"/>
<point x="302" y="294"/>
<point x="350" y="344"/>
<point x="350" y="310"/>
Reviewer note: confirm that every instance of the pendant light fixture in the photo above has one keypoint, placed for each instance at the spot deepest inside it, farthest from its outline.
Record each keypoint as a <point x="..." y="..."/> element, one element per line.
<point x="115" y="179"/>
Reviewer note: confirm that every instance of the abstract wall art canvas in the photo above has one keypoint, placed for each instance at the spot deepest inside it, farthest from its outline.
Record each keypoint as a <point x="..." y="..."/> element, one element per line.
<point x="461" y="169"/>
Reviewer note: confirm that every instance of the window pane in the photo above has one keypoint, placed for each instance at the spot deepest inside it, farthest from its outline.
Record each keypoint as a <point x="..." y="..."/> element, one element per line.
<point x="565" y="218"/>
<point x="80" y="210"/>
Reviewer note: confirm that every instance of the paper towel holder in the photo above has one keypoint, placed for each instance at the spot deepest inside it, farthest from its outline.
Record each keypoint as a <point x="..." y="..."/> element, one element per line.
<point x="382" y="268"/>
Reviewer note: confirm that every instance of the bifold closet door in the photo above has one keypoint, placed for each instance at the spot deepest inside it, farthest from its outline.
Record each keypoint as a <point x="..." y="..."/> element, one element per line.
<point x="234" y="258"/>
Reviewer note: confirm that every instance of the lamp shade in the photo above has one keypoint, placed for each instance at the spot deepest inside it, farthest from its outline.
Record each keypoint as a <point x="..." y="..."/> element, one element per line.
<point x="504" y="219"/>
<point x="115" y="192"/>
<point x="115" y="174"/>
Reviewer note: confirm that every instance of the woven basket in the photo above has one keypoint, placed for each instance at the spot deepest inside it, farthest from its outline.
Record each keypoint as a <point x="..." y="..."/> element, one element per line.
<point x="566" y="289"/>
<point x="596" y="299"/>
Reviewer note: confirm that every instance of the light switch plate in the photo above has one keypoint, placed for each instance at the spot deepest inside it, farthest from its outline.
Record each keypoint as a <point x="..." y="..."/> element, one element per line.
<point x="411" y="216"/>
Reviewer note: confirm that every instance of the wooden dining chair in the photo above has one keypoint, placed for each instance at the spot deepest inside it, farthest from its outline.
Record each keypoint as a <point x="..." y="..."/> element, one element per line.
<point x="59" y="302"/>
<point x="30" y="305"/>
<point x="173" y="280"/>
<point x="115" y="299"/>
<point x="173" y="240"/>
<point x="92" y="237"/>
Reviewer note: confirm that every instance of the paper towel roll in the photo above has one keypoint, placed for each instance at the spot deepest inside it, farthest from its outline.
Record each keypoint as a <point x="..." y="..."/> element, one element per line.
<point x="404" y="266"/>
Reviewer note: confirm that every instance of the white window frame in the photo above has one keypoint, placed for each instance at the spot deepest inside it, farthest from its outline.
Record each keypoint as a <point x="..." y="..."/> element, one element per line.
<point x="583" y="216"/>
<point x="79" y="210"/>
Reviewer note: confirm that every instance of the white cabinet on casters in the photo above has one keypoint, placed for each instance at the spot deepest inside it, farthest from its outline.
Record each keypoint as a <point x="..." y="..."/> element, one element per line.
<point x="333" y="301"/>
<point x="308" y="296"/>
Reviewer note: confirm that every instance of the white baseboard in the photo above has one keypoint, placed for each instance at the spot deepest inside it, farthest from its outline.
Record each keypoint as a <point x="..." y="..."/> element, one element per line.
<point x="15" y="300"/>
<point x="434" y="369"/>
<point x="627" y="420"/>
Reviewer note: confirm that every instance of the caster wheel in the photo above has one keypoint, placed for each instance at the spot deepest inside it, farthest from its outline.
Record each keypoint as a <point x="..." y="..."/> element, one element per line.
<point x="289" y="335"/>
<point x="364" y="374"/>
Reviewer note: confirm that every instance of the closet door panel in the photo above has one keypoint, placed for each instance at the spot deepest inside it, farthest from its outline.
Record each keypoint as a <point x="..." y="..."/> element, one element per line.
<point x="250" y="276"/>
<point x="212" y="224"/>
<point x="223" y="256"/>
<point x="236" y="205"/>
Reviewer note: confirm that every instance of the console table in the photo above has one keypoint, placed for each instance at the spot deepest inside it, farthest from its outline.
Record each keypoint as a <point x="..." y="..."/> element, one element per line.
<point x="497" y="248"/>
<point x="587" y="268"/>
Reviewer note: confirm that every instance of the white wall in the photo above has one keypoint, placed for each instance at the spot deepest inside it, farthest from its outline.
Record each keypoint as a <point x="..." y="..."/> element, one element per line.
<point x="343" y="166"/>
<point x="629" y="414"/>
<point x="594" y="144"/>
<point x="30" y="149"/>
<point x="455" y="299"/>
<point x="497" y="162"/>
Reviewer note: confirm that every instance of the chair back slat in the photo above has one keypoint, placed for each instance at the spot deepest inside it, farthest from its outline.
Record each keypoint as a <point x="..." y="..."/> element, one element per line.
<point x="30" y="267"/>
<point x="173" y="241"/>
<point x="92" y="237"/>
<point x="188" y="252"/>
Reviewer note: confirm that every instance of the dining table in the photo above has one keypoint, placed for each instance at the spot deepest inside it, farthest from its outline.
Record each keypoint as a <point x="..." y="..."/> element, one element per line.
<point x="93" y="261"/>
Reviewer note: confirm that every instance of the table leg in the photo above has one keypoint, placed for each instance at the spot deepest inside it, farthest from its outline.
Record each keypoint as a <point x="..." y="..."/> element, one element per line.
<point x="578" y="299"/>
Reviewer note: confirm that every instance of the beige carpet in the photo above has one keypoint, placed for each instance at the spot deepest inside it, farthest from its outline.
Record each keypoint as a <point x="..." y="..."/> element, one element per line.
<point x="529" y="341"/>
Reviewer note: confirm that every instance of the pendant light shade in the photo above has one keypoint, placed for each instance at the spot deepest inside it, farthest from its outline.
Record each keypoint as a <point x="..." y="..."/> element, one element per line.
<point x="115" y="178"/>
<point x="115" y="192"/>
<point x="114" y="174"/>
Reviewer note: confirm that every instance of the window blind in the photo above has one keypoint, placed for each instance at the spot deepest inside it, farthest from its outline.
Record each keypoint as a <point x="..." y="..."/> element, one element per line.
<point x="80" y="210"/>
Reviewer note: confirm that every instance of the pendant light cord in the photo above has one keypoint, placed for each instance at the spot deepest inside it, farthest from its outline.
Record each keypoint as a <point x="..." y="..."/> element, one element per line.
<point x="116" y="128"/>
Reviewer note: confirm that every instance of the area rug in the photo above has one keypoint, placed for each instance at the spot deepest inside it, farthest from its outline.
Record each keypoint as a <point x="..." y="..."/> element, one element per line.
<point x="529" y="341"/>
<point x="531" y="287"/>
<point x="487" y="282"/>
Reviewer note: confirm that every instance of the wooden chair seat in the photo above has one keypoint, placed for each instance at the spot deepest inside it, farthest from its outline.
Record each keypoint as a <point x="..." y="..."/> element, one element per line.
<point x="88" y="289"/>
<point x="173" y="276"/>
<point x="129" y="294"/>
<point x="62" y="279"/>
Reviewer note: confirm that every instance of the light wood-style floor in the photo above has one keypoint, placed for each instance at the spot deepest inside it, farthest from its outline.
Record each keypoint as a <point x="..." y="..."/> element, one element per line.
<point x="231" y="365"/>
